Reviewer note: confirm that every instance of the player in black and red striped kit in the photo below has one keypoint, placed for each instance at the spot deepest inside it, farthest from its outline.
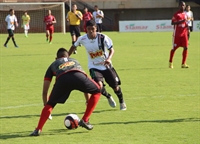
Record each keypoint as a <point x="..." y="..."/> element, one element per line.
<point x="69" y="77"/>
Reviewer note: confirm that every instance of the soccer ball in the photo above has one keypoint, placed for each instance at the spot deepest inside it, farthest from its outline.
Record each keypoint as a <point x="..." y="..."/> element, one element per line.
<point x="71" y="121"/>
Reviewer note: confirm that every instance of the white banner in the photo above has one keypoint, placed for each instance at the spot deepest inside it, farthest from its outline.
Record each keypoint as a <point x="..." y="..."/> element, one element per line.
<point x="150" y="26"/>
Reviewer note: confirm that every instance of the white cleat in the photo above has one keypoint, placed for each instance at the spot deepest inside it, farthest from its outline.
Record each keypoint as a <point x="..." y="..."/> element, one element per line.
<point x="111" y="102"/>
<point x="123" y="106"/>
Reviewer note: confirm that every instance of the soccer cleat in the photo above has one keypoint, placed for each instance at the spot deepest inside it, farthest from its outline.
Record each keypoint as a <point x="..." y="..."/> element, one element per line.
<point x="184" y="66"/>
<point x="16" y="46"/>
<point x="50" y="117"/>
<point x="26" y="36"/>
<point x="5" y="45"/>
<point x="50" y="42"/>
<point x="86" y="125"/>
<point x="47" y="40"/>
<point x="35" y="133"/>
<point x="123" y="106"/>
<point x="171" y="65"/>
<point x="111" y="102"/>
<point x="75" y="52"/>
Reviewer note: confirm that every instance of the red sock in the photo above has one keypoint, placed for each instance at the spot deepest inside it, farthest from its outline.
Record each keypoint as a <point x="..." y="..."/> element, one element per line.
<point x="51" y="38"/>
<point x="46" y="111"/>
<point x="184" y="54"/>
<point x="171" y="55"/>
<point x="91" y="105"/>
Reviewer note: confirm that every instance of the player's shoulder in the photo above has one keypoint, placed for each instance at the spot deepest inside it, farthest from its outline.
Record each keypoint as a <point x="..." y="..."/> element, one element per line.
<point x="83" y="37"/>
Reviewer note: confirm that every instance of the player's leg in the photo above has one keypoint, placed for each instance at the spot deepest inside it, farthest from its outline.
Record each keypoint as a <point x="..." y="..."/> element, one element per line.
<point x="51" y="31"/>
<point x="184" y="44"/>
<point x="175" y="45"/>
<point x="85" y="84"/>
<point x="112" y="78"/>
<point x="47" y="35"/>
<point x="100" y="27"/>
<point x="13" y="38"/>
<point x="26" y="28"/>
<point x="8" y="38"/>
<point x="97" y="76"/>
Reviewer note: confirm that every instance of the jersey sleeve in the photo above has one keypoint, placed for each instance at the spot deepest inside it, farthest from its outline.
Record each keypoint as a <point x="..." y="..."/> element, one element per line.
<point x="15" y="19"/>
<point x="49" y="74"/>
<point x="54" y="19"/>
<point x="108" y="42"/>
<point x="174" y="18"/>
<point x="78" y="42"/>
<point x="6" y="19"/>
<point x="101" y="12"/>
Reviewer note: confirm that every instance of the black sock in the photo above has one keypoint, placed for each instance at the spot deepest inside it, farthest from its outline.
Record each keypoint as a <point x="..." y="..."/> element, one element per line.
<point x="13" y="39"/>
<point x="7" y="41"/>
<point x="105" y="93"/>
<point x="119" y="95"/>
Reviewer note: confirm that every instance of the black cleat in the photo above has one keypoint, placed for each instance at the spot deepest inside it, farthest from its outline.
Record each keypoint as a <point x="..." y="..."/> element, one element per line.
<point x="35" y="133"/>
<point x="86" y="125"/>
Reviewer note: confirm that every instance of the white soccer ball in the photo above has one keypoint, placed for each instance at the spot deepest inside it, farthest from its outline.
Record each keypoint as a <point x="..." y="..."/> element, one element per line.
<point x="71" y="121"/>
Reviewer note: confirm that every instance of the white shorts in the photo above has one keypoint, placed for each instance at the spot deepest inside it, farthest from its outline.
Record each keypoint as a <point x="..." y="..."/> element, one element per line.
<point x="26" y="27"/>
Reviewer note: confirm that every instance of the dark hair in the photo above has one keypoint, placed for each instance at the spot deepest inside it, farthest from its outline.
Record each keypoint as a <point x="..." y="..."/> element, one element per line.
<point x="62" y="52"/>
<point x="10" y="10"/>
<point x="181" y="2"/>
<point x="187" y="6"/>
<point x="90" y="23"/>
<point x="96" y="6"/>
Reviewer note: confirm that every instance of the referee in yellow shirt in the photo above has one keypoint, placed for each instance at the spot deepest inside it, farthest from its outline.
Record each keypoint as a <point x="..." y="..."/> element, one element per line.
<point x="74" y="18"/>
<point x="25" y="23"/>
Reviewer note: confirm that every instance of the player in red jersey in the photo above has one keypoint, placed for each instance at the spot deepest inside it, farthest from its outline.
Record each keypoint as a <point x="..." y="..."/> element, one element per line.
<point x="49" y="20"/>
<point x="86" y="17"/>
<point x="180" y="35"/>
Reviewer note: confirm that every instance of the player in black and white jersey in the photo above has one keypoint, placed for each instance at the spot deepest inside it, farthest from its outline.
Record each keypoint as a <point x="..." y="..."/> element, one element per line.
<point x="100" y="50"/>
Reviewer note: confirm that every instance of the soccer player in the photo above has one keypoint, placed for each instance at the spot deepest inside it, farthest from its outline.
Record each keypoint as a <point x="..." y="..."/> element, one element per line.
<point x="11" y="21"/>
<point x="180" y="35"/>
<point x="100" y="50"/>
<point x="98" y="15"/>
<point x="86" y="17"/>
<point x="190" y="20"/>
<point x="69" y="77"/>
<point x="25" y="23"/>
<point x="49" y="20"/>
<point x="74" y="18"/>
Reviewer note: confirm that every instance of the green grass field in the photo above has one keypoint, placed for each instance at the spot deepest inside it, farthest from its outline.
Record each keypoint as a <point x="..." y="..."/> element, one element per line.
<point x="163" y="105"/>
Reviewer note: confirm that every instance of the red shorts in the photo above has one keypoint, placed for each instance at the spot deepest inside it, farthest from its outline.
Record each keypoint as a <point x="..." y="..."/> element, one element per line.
<point x="180" y="41"/>
<point x="50" y="29"/>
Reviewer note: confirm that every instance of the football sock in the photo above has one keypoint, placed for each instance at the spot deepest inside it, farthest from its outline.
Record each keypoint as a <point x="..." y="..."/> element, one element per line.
<point x="50" y="38"/>
<point x="90" y="106"/>
<point x="13" y="39"/>
<point x="73" y="42"/>
<point x="26" y="32"/>
<point x="46" y="111"/>
<point x="119" y="95"/>
<point x="184" y="54"/>
<point x="104" y="92"/>
<point x="171" y="55"/>
<point x="7" y="41"/>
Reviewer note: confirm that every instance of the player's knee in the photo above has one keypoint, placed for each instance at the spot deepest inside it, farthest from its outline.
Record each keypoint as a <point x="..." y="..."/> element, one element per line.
<point x="117" y="90"/>
<point x="51" y="104"/>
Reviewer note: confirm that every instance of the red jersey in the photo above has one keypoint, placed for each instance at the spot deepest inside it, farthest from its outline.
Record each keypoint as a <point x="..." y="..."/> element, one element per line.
<point x="48" y="20"/>
<point x="87" y="16"/>
<point x="182" y="28"/>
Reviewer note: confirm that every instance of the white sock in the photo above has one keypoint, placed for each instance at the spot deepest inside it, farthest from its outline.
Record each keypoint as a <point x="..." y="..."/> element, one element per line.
<point x="26" y="32"/>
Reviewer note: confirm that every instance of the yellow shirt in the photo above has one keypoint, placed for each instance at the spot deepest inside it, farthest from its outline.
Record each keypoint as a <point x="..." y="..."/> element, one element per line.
<point x="73" y="19"/>
<point x="25" y="19"/>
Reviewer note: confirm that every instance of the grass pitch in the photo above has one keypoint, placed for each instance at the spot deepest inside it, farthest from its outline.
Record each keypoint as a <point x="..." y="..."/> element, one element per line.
<point x="163" y="105"/>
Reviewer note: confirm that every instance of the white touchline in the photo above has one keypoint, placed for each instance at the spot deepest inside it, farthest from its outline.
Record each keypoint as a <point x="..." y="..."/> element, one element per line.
<point x="72" y="101"/>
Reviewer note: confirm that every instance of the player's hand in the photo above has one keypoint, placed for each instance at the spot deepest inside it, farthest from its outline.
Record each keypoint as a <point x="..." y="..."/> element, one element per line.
<point x="107" y="62"/>
<point x="16" y="24"/>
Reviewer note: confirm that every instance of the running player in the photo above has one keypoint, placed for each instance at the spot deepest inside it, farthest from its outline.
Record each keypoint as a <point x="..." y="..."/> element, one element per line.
<point x="25" y="23"/>
<point x="69" y="77"/>
<point x="49" y="20"/>
<point x="180" y="35"/>
<point x="100" y="50"/>
<point x="11" y="22"/>
<point x="86" y="17"/>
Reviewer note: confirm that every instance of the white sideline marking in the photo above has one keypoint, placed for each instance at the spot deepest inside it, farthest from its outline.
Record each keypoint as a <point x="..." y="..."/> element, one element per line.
<point x="30" y="105"/>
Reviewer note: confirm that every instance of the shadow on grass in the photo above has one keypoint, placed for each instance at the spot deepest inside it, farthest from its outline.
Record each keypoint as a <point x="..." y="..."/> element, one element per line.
<point x="154" y="121"/>
<point x="54" y="115"/>
<point x="46" y="133"/>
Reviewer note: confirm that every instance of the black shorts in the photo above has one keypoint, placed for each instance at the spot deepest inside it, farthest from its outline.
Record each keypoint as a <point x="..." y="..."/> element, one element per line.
<point x="75" y="30"/>
<point x="110" y="75"/>
<point x="70" y="81"/>
<point x="190" y="28"/>
<point x="99" y="27"/>
<point x="10" y="32"/>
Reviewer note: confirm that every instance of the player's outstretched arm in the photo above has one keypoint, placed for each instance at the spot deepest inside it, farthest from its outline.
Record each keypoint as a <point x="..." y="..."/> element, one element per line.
<point x="46" y="86"/>
<point x="72" y="49"/>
